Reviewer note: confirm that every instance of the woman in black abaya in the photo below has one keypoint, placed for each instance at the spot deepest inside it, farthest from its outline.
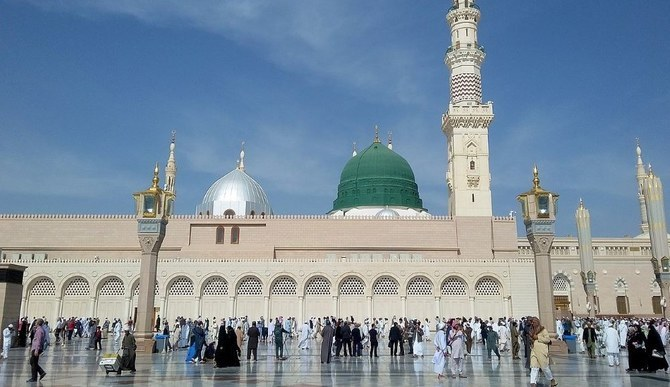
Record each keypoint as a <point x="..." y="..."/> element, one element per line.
<point x="635" y="343"/>
<point x="654" y="342"/>
<point x="220" y="347"/>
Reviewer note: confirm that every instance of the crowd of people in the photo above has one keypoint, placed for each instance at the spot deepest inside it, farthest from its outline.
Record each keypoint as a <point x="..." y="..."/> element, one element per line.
<point x="222" y="341"/>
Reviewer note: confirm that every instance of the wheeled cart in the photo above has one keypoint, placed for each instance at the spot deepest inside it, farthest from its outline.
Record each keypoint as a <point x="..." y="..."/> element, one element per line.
<point x="111" y="362"/>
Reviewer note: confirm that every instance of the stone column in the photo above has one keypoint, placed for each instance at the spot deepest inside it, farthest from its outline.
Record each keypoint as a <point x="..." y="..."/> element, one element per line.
<point x="301" y="309"/>
<point x="233" y="307"/>
<point x="472" y="306"/>
<point x="506" y="305"/>
<point x="370" y="306"/>
<point x="336" y="306"/>
<point x="11" y="292"/>
<point x="58" y="306"/>
<point x="196" y="306"/>
<point x="266" y="308"/>
<point x="151" y="233"/>
<point x="128" y="304"/>
<point x="437" y="307"/>
<point x="403" y="302"/>
<point x="163" y="307"/>
<point x="94" y="307"/>
<point x="24" y="306"/>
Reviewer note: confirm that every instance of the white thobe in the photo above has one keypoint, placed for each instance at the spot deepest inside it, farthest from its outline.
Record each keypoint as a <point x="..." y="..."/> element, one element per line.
<point x="439" y="359"/>
<point x="6" y="342"/>
<point x="304" y="336"/>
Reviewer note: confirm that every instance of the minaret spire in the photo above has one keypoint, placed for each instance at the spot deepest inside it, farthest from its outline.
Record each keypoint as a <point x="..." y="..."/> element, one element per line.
<point x="171" y="167"/>
<point x="641" y="175"/>
<point x="354" y="152"/>
<point x="377" y="134"/>
<point x="467" y="119"/>
<point x="390" y="141"/>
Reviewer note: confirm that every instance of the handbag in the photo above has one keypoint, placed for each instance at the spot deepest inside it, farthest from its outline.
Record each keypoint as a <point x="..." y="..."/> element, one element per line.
<point x="656" y="353"/>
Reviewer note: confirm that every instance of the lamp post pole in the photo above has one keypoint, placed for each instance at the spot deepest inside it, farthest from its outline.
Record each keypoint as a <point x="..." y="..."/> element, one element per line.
<point x="153" y="209"/>
<point x="539" y="215"/>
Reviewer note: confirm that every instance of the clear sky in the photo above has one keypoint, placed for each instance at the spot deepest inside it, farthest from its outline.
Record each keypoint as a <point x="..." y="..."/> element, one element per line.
<point x="90" y="91"/>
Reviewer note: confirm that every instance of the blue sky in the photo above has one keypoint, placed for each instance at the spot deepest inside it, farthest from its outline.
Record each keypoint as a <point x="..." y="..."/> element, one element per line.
<point x="92" y="89"/>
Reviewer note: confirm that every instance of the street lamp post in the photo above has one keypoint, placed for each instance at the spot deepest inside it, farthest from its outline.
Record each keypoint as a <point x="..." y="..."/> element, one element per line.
<point x="538" y="208"/>
<point x="153" y="208"/>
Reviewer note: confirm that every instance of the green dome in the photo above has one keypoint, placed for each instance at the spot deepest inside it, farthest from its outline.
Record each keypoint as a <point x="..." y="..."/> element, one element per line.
<point x="377" y="177"/>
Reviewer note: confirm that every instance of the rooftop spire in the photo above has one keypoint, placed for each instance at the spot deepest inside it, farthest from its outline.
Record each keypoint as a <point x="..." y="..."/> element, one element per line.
<point x="354" y="152"/>
<point x="536" y="178"/>
<point x="171" y="166"/>
<point x="377" y="134"/>
<point x="390" y="140"/>
<point x="240" y="164"/>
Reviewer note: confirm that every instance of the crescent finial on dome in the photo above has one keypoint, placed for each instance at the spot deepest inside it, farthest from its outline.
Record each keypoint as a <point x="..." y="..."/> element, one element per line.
<point x="390" y="140"/>
<point x="240" y="166"/>
<point x="377" y="134"/>
<point x="354" y="151"/>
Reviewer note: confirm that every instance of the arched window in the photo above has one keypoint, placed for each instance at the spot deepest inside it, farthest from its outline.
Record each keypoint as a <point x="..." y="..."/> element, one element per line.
<point x="235" y="235"/>
<point x="252" y="213"/>
<point x="472" y="165"/>
<point x="219" y="235"/>
<point x="229" y="213"/>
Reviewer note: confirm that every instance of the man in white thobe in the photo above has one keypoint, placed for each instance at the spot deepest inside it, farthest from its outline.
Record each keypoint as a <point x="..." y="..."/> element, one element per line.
<point x="7" y="335"/>
<point x="117" y="334"/>
<point x="612" y="344"/>
<point x="439" y="359"/>
<point x="305" y="333"/>
<point x="503" y="338"/>
<point x="623" y="332"/>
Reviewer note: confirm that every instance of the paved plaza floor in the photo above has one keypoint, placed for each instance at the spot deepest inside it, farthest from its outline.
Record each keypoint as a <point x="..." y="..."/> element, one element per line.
<point x="73" y="365"/>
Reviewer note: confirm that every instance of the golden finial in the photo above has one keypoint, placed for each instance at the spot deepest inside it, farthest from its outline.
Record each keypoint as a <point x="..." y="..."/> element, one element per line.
<point x="154" y="185"/>
<point x="536" y="178"/>
<point x="377" y="134"/>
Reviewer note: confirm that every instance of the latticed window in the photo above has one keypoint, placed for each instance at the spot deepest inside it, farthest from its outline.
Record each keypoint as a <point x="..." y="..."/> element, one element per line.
<point x="182" y="286"/>
<point x="561" y="284"/>
<point x="352" y="286"/>
<point x="216" y="286"/>
<point x="78" y="287"/>
<point x="487" y="287"/>
<point x="250" y="286"/>
<point x="419" y="286"/>
<point x="454" y="286"/>
<point x="112" y="287"/>
<point x="43" y="287"/>
<point x="284" y="286"/>
<point x="386" y="286"/>
<point x="136" y="292"/>
<point x="317" y="286"/>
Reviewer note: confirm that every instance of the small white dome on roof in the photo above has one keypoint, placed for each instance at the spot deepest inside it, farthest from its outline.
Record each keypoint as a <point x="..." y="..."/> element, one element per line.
<point x="236" y="193"/>
<point x="387" y="213"/>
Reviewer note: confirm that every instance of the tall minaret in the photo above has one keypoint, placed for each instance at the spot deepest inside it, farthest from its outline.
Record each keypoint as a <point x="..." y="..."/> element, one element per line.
<point x="171" y="168"/>
<point x="467" y="119"/>
<point x="641" y="175"/>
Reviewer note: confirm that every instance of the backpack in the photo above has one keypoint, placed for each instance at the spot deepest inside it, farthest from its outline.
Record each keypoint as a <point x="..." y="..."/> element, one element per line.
<point x="45" y="339"/>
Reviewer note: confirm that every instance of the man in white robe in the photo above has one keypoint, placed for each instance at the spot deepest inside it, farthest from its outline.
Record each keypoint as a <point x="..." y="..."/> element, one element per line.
<point x="305" y="333"/>
<point x="503" y="338"/>
<point x="612" y="344"/>
<point x="623" y="332"/>
<point x="476" y="331"/>
<point x="439" y="359"/>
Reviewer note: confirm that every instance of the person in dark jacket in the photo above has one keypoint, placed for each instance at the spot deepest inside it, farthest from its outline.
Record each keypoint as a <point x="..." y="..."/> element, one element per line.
<point x="357" y="339"/>
<point x="346" y="338"/>
<point x="338" y="338"/>
<point x="373" y="341"/>
<point x="635" y="343"/>
<point x="590" y="339"/>
<point x="252" y="343"/>
<point x="394" y="336"/>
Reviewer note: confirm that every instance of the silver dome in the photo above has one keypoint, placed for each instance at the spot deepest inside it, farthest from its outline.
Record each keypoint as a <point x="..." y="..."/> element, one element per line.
<point x="236" y="192"/>
<point x="387" y="213"/>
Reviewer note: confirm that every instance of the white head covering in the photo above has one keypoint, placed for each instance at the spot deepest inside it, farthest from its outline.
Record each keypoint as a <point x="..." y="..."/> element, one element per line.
<point x="440" y="326"/>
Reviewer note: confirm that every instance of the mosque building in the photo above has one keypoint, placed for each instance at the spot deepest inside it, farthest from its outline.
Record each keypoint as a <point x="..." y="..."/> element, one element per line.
<point x="376" y="253"/>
